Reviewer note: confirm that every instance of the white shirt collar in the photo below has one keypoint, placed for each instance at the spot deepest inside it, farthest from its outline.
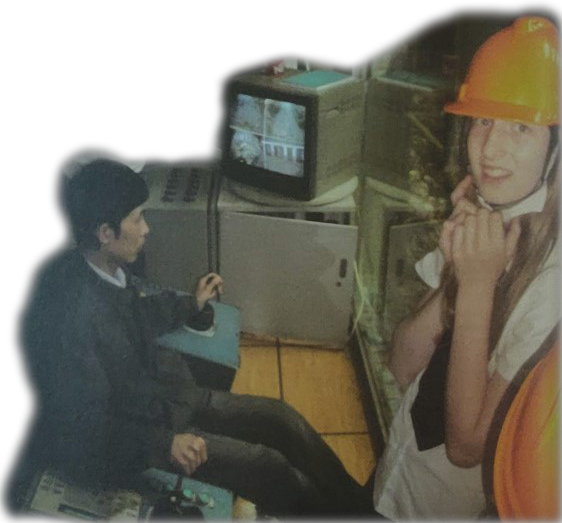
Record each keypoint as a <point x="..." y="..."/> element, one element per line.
<point x="533" y="203"/>
<point x="120" y="280"/>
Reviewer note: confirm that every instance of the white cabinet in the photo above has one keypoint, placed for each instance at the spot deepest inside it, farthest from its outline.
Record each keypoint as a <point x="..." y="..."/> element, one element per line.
<point x="289" y="269"/>
<point x="290" y="278"/>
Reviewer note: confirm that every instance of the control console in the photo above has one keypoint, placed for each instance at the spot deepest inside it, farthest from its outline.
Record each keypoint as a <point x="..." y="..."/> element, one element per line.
<point x="182" y="496"/>
<point x="179" y="186"/>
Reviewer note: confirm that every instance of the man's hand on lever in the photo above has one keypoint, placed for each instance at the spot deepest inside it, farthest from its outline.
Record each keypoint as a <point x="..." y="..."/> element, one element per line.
<point x="208" y="287"/>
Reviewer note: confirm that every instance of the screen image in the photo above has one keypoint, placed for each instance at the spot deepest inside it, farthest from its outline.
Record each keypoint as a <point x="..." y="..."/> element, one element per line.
<point x="268" y="134"/>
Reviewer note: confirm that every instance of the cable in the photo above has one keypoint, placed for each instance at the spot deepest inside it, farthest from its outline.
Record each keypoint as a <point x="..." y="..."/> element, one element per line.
<point x="213" y="221"/>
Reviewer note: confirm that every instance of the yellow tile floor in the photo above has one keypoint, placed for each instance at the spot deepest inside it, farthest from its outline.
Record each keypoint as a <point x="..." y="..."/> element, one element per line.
<point x="320" y="384"/>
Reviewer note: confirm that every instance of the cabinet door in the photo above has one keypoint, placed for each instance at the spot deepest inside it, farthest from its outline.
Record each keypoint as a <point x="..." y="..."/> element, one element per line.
<point x="290" y="278"/>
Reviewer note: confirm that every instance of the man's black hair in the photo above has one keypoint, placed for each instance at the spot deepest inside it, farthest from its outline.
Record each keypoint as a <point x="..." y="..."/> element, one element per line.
<point x="102" y="191"/>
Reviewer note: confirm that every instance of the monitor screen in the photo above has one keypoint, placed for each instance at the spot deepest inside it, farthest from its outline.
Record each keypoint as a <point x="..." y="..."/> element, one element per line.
<point x="268" y="134"/>
<point x="293" y="141"/>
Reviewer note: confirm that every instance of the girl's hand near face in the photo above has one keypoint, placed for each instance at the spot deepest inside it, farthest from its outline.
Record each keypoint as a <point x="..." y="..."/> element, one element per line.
<point x="482" y="248"/>
<point x="462" y="188"/>
<point x="462" y="209"/>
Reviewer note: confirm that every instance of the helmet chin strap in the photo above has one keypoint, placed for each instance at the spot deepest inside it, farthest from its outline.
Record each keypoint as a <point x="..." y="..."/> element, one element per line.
<point x="551" y="162"/>
<point x="532" y="203"/>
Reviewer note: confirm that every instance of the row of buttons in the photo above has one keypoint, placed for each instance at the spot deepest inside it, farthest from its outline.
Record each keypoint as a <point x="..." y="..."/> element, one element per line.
<point x="189" y="496"/>
<point x="191" y="181"/>
<point x="183" y="497"/>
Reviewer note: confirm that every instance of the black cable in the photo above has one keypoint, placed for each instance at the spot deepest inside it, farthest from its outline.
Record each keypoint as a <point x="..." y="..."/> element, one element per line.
<point x="213" y="221"/>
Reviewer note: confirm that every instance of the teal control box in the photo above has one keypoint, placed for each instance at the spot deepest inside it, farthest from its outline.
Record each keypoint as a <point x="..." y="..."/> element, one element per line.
<point x="213" y="502"/>
<point x="214" y="355"/>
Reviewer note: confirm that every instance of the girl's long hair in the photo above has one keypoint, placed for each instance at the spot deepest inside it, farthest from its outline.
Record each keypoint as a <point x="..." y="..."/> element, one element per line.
<point x="539" y="232"/>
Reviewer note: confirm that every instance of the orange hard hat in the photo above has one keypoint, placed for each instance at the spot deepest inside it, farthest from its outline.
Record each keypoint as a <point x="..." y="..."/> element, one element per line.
<point x="514" y="75"/>
<point x="526" y="476"/>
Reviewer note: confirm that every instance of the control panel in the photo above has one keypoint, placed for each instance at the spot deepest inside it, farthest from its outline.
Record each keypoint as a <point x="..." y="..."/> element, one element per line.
<point x="55" y="497"/>
<point x="179" y="186"/>
<point x="187" y="497"/>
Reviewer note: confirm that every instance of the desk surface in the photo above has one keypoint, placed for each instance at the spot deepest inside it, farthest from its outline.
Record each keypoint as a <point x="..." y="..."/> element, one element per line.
<point x="231" y="199"/>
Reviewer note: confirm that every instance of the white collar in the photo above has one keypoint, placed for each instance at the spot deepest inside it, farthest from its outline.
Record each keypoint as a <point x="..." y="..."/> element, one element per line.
<point x="532" y="203"/>
<point x="120" y="280"/>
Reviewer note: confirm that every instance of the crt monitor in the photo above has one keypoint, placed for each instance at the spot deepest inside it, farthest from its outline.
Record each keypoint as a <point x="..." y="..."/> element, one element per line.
<point x="296" y="135"/>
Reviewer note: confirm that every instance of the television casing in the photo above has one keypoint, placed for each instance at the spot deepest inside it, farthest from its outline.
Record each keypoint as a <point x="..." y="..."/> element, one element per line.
<point x="333" y="133"/>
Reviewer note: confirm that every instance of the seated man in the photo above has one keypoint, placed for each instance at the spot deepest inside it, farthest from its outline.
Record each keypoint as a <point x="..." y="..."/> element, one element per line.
<point x="112" y="404"/>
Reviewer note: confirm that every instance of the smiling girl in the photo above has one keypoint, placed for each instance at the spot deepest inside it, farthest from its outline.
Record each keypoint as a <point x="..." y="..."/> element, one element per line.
<point x="493" y="281"/>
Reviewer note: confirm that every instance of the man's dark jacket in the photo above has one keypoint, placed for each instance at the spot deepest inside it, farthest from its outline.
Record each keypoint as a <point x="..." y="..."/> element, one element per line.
<point x="105" y="406"/>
